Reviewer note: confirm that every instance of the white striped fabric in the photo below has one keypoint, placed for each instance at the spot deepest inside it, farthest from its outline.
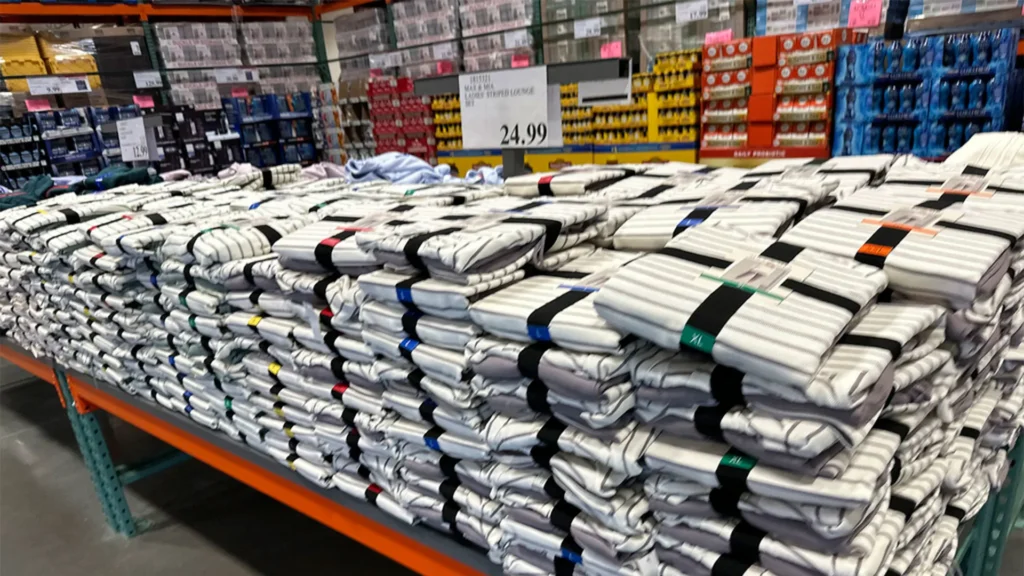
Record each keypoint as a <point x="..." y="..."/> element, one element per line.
<point x="430" y="296"/>
<point x="565" y="183"/>
<point x="653" y="228"/>
<point x="685" y="296"/>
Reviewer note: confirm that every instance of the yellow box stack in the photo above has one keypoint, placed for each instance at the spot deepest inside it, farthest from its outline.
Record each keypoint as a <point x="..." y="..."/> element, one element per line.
<point x="577" y="121"/>
<point x="622" y="123"/>
<point x="447" y="122"/>
<point x="675" y="103"/>
<point x="19" y="56"/>
<point x="69" y="57"/>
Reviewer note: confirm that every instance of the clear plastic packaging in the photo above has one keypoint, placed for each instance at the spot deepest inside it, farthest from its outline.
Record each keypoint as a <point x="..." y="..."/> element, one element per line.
<point x="495" y="16"/>
<point x="432" y="28"/>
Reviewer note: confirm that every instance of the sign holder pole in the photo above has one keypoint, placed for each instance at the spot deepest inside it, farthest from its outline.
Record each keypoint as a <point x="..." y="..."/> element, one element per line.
<point x="514" y="159"/>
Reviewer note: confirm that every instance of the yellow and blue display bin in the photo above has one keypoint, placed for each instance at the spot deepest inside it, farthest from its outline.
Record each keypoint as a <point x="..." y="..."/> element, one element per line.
<point x="652" y="152"/>
<point x="554" y="159"/>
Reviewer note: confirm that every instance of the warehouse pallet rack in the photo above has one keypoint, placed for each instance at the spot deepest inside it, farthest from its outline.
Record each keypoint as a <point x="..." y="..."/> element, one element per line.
<point x="420" y="549"/>
<point x="982" y="542"/>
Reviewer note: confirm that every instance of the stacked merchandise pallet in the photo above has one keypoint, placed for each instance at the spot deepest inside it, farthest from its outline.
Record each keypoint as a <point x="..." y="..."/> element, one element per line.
<point x="278" y="50"/>
<point x="578" y="30"/>
<point x="108" y="54"/>
<point x="674" y="104"/>
<point x="401" y="120"/>
<point x="496" y="34"/>
<point x="19" y="56"/>
<point x="577" y="121"/>
<point x="185" y="46"/>
<point x="491" y="365"/>
<point x="71" y="142"/>
<point x="782" y="17"/>
<point x="922" y="95"/>
<point x="359" y="34"/>
<point x="661" y="31"/>
<point x="771" y="96"/>
<point x="621" y="123"/>
<point x="21" y="152"/>
<point x="447" y="122"/>
<point x="274" y="128"/>
<point x="427" y="35"/>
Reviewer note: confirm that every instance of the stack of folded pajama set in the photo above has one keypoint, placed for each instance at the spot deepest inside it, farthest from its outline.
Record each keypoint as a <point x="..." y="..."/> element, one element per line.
<point x="956" y="249"/>
<point x="850" y="173"/>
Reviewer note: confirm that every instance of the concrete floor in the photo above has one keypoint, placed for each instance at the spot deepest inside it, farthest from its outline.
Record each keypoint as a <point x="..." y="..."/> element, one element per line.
<point x="204" y="521"/>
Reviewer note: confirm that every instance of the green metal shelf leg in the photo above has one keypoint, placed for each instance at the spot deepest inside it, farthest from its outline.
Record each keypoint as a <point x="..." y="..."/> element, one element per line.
<point x="96" y="457"/>
<point x="1005" y="513"/>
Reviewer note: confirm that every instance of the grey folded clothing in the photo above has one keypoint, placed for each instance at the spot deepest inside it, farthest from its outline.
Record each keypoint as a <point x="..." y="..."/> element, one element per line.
<point x="468" y="500"/>
<point x="577" y="374"/>
<point x="438" y="363"/>
<point x="428" y="295"/>
<point x="528" y="399"/>
<point x="493" y="238"/>
<point x="544" y="549"/>
<point x="935" y="254"/>
<point x="759" y="306"/>
<point x="423" y="409"/>
<point x="651" y="229"/>
<point x="443" y="332"/>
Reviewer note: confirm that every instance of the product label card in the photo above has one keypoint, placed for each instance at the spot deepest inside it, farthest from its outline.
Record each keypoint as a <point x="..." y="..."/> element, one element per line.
<point x="762" y="274"/>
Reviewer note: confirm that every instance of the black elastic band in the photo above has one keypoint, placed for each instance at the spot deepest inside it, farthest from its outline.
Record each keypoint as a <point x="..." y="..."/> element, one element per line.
<point x="822" y="295"/>
<point x="550" y="432"/>
<point x="542" y="453"/>
<point x="268" y="179"/>
<point x="412" y="246"/>
<point x="247" y="273"/>
<point x="972" y="433"/>
<point x="727" y="565"/>
<point x="782" y="251"/>
<point x="409" y="321"/>
<point x="562" y="515"/>
<point x="727" y="386"/>
<point x="323" y="250"/>
<point x="539" y="320"/>
<point x="708" y="421"/>
<point x="701" y="259"/>
<point x="695" y="217"/>
<point x="447" y="466"/>
<point x="945" y="200"/>
<point x="747" y="184"/>
<point x="745" y="542"/>
<point x="254" y="297"/>
<point x="449" y="512"/>
<point x="403" y="290"/>
<point x="711" y="315"/>
<point x="551" y="488"/>
<point x="528" y="360"/>
<point x="426" y="410"/>
<point x="898" y="428"/>
<point x="886" y="237"/>
<point x="348" y="416"/>
<point x="656" y="191"/>
<point x="902" y="505"/>
<point x="974" y="171"/>
<point x="733" y="469"/>
<point x="537" y="397"/>
<point x="552" y="228"/>
<point x="564" y="567"/>
<point x="955" y="512"/>
<point x="71" y="216"/>
<point x="371" y="493"/>
<point x="320" y="288"/>
<point x="415" y="379"/>
<point x="893" y="347"/>
<point x="448" y="487"/>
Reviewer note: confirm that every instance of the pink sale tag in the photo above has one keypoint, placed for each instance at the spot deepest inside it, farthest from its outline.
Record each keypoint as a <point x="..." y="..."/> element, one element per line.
<point x="612" y="49"/>
<point x="238" y="92"/>
<point x="718" y="37"/>
<point x="445" y="67"/>
<point x="520" y="60"/>
<point x="37" y="104"/>
<point x="865" y="14"/>
<point x="143" y="100"/>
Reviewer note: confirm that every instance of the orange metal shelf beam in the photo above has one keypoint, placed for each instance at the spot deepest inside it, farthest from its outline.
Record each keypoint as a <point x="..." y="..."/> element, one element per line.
<point x="341" y="5"/>
<point x="68" y="10"/>
<point x="35" y="367"/>
<point x="397" y="546"/>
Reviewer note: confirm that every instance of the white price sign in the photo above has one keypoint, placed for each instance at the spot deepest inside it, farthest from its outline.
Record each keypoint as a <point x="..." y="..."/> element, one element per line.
<point x="444" y="51"/>
<point x="148" y="80"/>
<point x="235" y="75"/>
<point x="516" y="39"/>
<point x="378" y="60"/>
<point x="131" y="134"/>
<point x="809" y="2"/>
<point x="691" y="11"/>
<point x="588" y="28"/>
<point x="47" y="85"/>
<point x="506" y="109"/>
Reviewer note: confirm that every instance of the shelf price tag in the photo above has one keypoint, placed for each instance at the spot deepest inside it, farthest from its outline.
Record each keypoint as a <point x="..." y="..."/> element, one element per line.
<point x="718" y="37"/>
<point x="143" y="100"/>
<point x="49" y="85"/>
<point x="865" y="13"/>
<point x="235" y="75"/>
<point x="516" y="39"/>
<point x="131" y="134"/>
<point x="512" y="105"/>
<point x="691" y="11"/>
<point x="444" y="51"/>
<point x="148" y="80"/>
<point x="588" y="28"/>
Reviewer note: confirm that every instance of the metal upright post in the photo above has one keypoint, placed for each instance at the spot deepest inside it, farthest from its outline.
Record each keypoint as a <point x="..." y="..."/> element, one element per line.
<point x="155" y="61"/>
<point x="322" y="66"/>
<point x="96" y="457"/>
<point x="1004" y="512"/>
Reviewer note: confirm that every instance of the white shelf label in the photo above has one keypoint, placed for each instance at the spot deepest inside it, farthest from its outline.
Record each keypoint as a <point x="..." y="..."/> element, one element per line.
<point x="235" y="75"/>
<point x="136" y="48"/>
<point x="148" y="80"/>
<point x="691" y="11"/>
<point x="589" y="28"/>
<point x="510" y="105"/>
<point x="47" y="85"/>
<point x="444" y="51"/>
<point x="131" y="134"/>
<point x="516" y="39"/>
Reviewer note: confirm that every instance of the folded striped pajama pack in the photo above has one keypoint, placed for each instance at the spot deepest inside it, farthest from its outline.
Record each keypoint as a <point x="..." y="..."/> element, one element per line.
<point x="757" y="305"/>
<point x="227" y="242"/>
<point x="852" y="172"/>
<point x="920" y="249"/>
<point x="541" y="549"/>
<point x="651" y="229"/>
<point x="572" y="182"/>
<point x="496" y="238"/>
<point x="265" y="179"/>
<point x="442" y="332"/>
<point x="421" y="293"/>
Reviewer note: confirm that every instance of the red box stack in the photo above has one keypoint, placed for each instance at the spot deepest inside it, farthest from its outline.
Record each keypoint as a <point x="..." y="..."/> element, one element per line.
<point x="786" y="110"/>
<point x="402" y="121"/>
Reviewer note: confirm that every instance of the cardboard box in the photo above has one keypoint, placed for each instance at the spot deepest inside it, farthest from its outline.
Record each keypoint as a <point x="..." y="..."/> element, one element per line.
<point x="761" y="108"/>
<point x="759" y="134"/>
<point x="765" y="51"/>
<point x="764" y="80"/>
